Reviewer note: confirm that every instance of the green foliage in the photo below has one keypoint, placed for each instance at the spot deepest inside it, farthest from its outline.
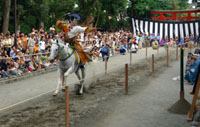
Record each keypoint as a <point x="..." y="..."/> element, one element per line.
<point x="33" y="13"/>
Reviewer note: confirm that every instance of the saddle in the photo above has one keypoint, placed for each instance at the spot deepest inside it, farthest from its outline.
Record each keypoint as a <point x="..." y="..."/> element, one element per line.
<point x="84" y="56"/>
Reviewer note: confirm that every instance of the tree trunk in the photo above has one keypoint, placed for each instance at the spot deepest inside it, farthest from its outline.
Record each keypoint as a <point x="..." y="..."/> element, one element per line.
<point x="88" y="21"/>
<point x="110" y="24"/>
<point x="98" y="13"/>
<point x="6" y="16"/>
<point x="132" y="7"/>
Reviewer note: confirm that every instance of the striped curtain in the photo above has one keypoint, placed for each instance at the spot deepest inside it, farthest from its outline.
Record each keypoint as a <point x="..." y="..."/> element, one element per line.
<point x="171" y="29"/>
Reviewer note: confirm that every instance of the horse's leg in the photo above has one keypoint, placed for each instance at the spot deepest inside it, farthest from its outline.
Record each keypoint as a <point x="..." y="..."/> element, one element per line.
<point x="79" y="78"/>
<point x="63" y="82"/>
<point x="78" y="75"/>
<point x="64" y="77"/>
<point x="59" y="81"/>
<point x="82" y="81"/>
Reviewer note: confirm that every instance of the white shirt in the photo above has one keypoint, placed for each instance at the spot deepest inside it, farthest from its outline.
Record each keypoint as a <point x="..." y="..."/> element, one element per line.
<point x="42" y="45"/>
<point x="76" y="29"/>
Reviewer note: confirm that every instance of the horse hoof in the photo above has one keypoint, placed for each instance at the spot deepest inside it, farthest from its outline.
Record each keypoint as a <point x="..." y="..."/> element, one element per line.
<point x="78" y="93"/>
<point x="55" y="94"/>
<point x="63" y="89"/>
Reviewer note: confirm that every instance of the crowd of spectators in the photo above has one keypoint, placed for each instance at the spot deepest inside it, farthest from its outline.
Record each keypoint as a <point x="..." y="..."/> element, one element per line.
<point x="192" y="68"/>
<point x="31" y="51"/>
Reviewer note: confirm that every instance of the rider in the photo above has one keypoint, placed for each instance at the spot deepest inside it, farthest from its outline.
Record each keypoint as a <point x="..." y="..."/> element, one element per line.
<point x="71" y="30"/>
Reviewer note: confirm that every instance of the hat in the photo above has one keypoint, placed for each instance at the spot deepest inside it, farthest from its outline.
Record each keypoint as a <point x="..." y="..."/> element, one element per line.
<point x="73" y="16"/>
<point x="33" y="33"/>
<point x="16" y="58"/>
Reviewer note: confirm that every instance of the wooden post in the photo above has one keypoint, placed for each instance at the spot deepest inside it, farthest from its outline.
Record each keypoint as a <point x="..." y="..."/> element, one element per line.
<point x="146" y="51"/>
<point x="152" y="65"/>
<point x="192" y="108"/>
<point x="105" y="64"/>
<point x="126" y="79"/>
<point x="177" y="52"/>
<point x="181" y="74"/>
<point x="130" y="58"/>
<point x="167" y="57"/>
<point x="66" y="106"/>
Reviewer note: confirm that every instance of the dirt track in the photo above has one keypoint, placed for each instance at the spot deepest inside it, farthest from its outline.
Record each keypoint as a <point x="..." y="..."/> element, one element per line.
<point x="96" y="101"/>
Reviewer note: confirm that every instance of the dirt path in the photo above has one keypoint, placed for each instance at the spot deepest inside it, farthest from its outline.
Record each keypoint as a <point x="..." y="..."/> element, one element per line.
<point x="96" y="103"/>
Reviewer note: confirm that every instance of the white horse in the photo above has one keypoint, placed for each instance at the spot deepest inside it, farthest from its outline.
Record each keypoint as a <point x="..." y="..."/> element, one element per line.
<point x="67" y="64"/>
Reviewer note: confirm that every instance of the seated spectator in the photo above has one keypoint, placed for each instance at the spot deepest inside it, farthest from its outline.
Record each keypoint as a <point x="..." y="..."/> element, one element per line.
<point x="155" y="44"/>
<point x="181" y="42"/>
<point x="193" y="71"/>
<point x="36" y="63"/>
<point x="122" y="49"/>
<point x="197" y="72"/>
<point x="12" y="68"/>
<point x="188" y="63"/>
<point x="134" y="48"/>
<point x="105" y="50"/>
<point x="162" y="42"/>
<point x="5" y="54"/>
<point x="3" y="68"/>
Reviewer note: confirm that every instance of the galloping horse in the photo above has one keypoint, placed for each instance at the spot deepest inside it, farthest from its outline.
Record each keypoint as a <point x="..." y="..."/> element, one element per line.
<point x="68" y="63"/>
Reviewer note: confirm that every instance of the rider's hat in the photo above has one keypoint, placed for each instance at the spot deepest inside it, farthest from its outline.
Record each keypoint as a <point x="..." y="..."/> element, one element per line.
<point x="73" y="16"/>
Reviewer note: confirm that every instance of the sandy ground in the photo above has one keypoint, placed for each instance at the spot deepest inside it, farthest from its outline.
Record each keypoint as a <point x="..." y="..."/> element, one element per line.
<point x="87" y="110"/>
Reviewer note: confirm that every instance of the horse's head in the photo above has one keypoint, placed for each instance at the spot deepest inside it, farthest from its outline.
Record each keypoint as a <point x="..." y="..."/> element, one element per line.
<point x="54" y="51"/>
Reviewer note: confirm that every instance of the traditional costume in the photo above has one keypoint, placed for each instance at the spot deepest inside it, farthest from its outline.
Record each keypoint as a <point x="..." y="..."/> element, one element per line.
<point x="71" y="32"/>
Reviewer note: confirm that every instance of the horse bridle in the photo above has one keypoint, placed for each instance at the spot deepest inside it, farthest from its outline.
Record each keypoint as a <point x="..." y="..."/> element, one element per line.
<point x="61" y="48"/>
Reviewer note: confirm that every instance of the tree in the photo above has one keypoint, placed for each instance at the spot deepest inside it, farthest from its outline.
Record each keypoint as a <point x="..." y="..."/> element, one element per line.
<point x="6" y="16"/>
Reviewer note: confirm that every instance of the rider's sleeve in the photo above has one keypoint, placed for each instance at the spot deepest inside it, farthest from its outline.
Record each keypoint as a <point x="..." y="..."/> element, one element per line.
<point x="80" y="29"/>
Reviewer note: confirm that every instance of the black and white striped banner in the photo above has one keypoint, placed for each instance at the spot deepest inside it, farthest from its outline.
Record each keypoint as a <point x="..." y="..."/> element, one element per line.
<point x="171" y="29"/>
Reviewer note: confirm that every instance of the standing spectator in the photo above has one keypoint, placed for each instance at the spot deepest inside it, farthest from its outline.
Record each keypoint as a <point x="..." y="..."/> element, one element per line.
<point x="7" y="43"/>
<point x="42" y="45"/>
<point x="24" y="42"/>
<point x="31" y="43"/>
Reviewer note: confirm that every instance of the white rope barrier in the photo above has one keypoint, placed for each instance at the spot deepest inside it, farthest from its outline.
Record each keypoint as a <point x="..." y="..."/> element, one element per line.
<point x="37" y="54"/>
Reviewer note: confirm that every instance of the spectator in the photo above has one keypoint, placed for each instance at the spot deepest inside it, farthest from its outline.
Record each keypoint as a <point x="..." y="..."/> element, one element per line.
<point x="181" y="42"/>
<point x="155" y="44"/>
<point x="105" y="51"/>
<point x="7" y="43"/>
<point x="42" y="45"/>
<point x="162" y="42"/>
<point x="122" y="49"/>
<point x="31" y="43"/>
<point x="13" y="52"/>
